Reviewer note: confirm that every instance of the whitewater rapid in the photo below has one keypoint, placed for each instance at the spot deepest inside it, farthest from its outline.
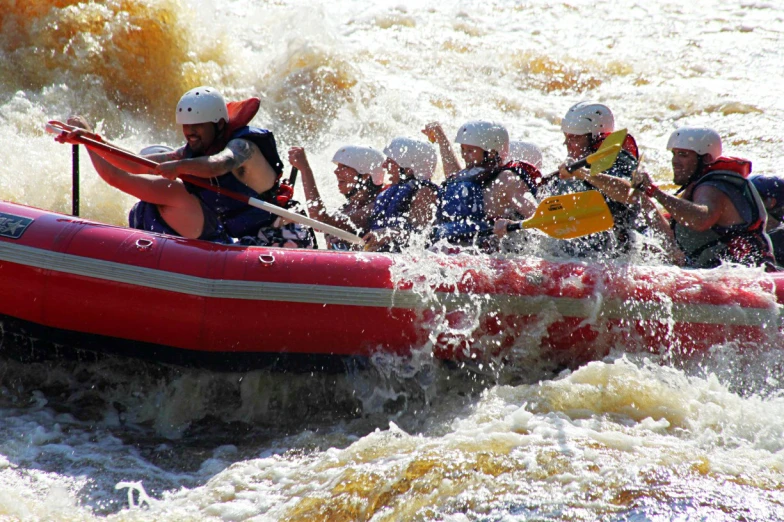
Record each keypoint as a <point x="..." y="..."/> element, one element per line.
<point x="629" y="437"/>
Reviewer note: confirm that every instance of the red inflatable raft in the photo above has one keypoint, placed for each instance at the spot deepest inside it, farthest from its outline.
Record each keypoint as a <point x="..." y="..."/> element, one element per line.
<point x="70" y="283"/>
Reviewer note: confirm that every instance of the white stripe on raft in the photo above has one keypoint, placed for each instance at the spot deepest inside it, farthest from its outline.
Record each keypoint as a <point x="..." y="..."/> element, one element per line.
<point x="595" y="307"/>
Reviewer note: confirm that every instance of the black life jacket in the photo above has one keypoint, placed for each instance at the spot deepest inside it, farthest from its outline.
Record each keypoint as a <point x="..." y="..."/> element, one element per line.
<point x="238" y="218"/>
<point x="392" y="206"/>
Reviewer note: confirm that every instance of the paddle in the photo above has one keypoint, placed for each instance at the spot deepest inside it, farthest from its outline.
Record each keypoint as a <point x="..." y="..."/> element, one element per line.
<point x="636" y="185"/>
<point x="603" y="158"/>
<point x="96" y="142"/>
<point x="568" y="216"/>
<point x="75" y="180"/>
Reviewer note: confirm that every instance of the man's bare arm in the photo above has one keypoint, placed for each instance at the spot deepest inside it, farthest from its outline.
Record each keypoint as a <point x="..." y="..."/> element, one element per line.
<point x="236" y="153"/>
<point x="613" y="187"/>
<point x="162" y="157"/>
<point x="435" y="133"/>
<point x="315" y="205"/>
<point x="700" y="214"/>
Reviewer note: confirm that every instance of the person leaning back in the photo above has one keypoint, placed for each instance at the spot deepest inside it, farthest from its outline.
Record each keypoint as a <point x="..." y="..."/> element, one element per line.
<point x="223" y="149"/>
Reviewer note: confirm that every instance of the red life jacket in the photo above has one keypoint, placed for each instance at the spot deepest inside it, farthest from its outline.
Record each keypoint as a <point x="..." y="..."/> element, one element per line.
<point x="629" y="144"/>
<point x="738" y="165"/>
<point x="530" y="175"/>
<point x="240" y="114"/>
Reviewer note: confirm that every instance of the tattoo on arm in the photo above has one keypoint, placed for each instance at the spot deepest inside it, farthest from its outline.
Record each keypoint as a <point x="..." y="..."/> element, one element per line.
<point x="237" y="152"/>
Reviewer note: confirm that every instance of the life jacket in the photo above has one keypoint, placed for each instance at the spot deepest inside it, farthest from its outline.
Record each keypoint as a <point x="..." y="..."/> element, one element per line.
<point x="629" y="144"/>
<point x="530" y="175"/>
<point x="747" y="242"/>
<point x="461" y="208"/>
<point x="739" y="166"/>
<point x="145" y="216"/>
<point x="392" y="209"/>
<point x="777" y="241"/>
<point x="392" y="206"/>
<point x="527" y="172"/>
<point x="238" y="218"/>
<point x="623" y="167"/>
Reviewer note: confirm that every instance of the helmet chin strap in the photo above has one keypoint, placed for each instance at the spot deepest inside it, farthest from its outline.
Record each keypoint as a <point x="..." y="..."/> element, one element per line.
<point x="697" y="174"/>
<point x="219" y="131"/>
<point x="594" y="142"/>
<point x="490" y="159"/>
<point x="406" y="174"/>
<point x="363" y="184"/>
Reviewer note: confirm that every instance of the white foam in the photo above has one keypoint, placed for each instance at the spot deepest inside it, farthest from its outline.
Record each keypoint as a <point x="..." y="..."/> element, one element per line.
<point x="572" y="446"/>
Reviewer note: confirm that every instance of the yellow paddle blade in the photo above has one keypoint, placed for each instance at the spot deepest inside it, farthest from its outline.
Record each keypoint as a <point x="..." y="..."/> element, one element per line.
<point x="604" y="158"/>
<point x="571" y="215"/>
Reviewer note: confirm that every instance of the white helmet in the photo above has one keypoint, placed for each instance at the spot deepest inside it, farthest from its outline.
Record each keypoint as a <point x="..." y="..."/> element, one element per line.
<point x="698" y="139"/>
<point x="486" y="135"/>
<point x="365" y="160"/>
<point x="201" y="105"/>
<point x="419" y="156"/>
<point x="155" y="149"/>
<point x="588" y="118"/>
<point x="527" y="152"/>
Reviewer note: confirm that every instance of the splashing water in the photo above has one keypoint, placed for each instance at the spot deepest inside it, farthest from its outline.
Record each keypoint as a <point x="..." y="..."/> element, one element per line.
<point x="631" y="436"/>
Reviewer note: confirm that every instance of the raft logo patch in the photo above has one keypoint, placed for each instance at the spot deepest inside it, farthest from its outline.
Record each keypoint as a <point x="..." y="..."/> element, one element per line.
<point x="13" y="226"/>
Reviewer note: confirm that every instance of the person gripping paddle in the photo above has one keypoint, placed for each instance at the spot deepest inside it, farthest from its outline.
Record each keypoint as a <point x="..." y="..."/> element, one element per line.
<point x="589" y="127"/>
<point x="220" y="147"/>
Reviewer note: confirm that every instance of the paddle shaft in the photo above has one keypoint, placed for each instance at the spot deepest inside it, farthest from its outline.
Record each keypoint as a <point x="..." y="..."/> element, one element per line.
<point x="254" y="202"/>
<point x="609" y="148"/>
<point x="75" y="180"/>
<point x="511" y="227"/>
<point x="569" y="168"/>
<point x="585" y="162"/>
<point x="566" y="217"/>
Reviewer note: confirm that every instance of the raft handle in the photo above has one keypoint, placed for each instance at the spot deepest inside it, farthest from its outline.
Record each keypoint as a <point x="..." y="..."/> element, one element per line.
<point x="266" y="259"/>
<point x="143" y="244"/>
